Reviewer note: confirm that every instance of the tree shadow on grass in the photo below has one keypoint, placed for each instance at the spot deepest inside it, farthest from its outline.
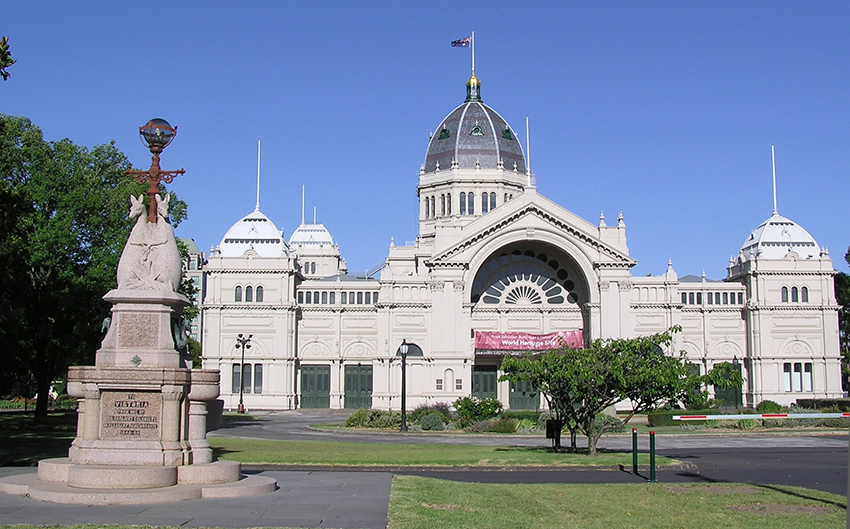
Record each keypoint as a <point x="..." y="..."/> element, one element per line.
<point x="553" y="450"/>
<point x="803" y="496"/>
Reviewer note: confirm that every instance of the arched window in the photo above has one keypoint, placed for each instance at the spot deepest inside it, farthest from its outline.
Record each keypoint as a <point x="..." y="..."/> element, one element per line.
<point x="485" y="203"/>
<point x="259" y="294"/>
<point x="258" y="378"/>
<point x="249" y="294"/>
<point x="795" y="295"/>
<point x="237" y="295"/>
<point x="463" y="203"/>
<point x="784" y="294"/>
<point x="312" y="268"/>
<point x="442" y="205"/>
<point x="470" y="202"/>
<point x="804" y="294"/>
<point x="448" y="203"/>
<point x="427" y="207"/>
<point x="434" y="206"/>
<point x="492" y="201"/>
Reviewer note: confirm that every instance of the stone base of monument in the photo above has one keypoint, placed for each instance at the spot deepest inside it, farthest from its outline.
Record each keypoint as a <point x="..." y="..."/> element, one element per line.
<point x="61" y="481"/>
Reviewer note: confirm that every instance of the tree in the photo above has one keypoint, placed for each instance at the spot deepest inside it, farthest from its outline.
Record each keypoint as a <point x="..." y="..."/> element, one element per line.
<point x="6" y="59"/>
<point x="579" y="384"/>
<point x="842" y="297"/>
<point x="64" y="224"/>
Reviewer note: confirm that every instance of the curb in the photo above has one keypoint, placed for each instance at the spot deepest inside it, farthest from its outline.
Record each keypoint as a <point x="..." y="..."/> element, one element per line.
<point x="402" y="469"/>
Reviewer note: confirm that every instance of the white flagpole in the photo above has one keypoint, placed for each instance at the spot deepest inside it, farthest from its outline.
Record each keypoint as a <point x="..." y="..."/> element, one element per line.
<point x="773" y="157"/>
<point x="527" y="152"/>
<point x="302" y="203"/>
<point x="258" y="175"/>
<point x="473" y="52"/>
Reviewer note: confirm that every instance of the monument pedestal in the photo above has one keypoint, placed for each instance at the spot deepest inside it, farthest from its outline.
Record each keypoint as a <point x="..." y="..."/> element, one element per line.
<point x="141" y="427"/>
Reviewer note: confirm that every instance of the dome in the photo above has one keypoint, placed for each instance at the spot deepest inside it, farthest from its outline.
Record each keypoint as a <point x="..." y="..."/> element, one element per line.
<point x="254" y="232"/>
<point x="311" y="235"/>
<point x="474" y="135"/>
<point x="777" y="236"/>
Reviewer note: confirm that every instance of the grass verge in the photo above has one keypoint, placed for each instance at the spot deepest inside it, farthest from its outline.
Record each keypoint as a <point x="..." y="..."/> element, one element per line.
<point x="425" y="503"/>
<point x="23" y="444"/>
<point x="373" y="454"/>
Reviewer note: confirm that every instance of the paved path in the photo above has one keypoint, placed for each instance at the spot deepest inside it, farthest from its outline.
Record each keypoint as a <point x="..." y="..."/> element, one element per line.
<point x="360" y="499"/>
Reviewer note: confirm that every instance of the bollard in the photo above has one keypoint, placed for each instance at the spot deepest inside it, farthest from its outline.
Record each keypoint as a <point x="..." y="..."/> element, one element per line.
<point x="652" y="457"/>
<point x="634" y="452"/>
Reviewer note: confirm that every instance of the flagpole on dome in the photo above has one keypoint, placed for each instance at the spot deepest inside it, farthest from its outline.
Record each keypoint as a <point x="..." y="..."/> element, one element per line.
<point x="473" y="53"/>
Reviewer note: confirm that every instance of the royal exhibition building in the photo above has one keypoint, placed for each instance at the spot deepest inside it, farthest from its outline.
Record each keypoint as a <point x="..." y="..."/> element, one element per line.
<point x="498" y="269"/>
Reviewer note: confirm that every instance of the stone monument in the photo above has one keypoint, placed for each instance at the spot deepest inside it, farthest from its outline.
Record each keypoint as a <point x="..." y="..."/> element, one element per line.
<point x="141" y="429"/>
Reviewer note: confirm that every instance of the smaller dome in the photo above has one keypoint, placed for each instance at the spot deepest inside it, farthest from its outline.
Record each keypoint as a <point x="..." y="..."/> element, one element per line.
<point x="311" y="235"/>
<point x="777" y="236"/>
<point x="254" y="232"/>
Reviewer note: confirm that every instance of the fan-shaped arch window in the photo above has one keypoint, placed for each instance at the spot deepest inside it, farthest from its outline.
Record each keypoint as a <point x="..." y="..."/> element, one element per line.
<point x="249" y="294"/>
<point x="259" y="294"/>
<point x="525" y="278"/>
<point x="784" y="294"/>
<point x="237" y="294"/>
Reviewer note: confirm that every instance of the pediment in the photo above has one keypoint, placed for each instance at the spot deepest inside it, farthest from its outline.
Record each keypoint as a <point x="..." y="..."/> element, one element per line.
<point x="532" y="215"/>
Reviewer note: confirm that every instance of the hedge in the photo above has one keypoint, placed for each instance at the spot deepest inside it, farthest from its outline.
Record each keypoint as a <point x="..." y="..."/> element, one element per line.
<point x="665" y="417"/>
<point x="819" y="404"/>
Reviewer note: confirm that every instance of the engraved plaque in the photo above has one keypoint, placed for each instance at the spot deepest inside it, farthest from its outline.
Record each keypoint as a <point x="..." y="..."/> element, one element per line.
<point x="137" y="330"/>
<point x="130" y="415"/>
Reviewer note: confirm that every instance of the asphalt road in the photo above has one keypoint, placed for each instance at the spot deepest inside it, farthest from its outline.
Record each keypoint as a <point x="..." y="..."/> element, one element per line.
<point x="805" y="460"/>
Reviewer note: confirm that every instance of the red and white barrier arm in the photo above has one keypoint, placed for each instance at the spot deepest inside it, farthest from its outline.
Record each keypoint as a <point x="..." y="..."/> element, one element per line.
<point x="761" y="416"/>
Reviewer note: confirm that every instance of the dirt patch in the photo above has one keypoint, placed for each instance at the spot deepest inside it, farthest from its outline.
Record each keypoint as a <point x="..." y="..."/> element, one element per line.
<point x="446" y="507"/>
<point x="781" y="508"/>
<point x="712" y="489"/>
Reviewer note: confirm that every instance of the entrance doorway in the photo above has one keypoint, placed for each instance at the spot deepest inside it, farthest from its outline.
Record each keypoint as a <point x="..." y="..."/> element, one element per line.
<point x="315" y="386"/>
<point x="524" y="397"/>
<point x="358" y="386"/>
<point x="484" y="380"/>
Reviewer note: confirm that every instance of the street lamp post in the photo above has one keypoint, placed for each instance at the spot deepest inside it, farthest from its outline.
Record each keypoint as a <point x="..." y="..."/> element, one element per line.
<point x="245" y="342"/>
<point x="737" y="365"/>
<point x="405" y="350"/>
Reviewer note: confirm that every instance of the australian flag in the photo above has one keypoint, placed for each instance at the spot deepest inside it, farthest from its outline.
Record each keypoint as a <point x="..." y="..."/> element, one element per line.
<point x="462" y="43"/>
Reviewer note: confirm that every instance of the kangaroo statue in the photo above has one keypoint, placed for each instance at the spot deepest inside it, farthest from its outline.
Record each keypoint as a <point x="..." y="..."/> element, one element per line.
<point x="150" y="260"/>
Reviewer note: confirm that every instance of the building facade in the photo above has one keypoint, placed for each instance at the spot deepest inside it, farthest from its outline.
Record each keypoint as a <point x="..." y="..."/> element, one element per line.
<point x="498" y="268"/>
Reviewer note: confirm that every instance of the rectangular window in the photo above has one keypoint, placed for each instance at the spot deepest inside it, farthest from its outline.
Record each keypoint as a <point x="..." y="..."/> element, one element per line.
<point x="439" y="385"/>
<point x="458" y="384"/>
<point x="333" y="298"/>
<point x="324" y="298"/>
<point x="710" y="298"/>
<point x="246" y="378"/>
<point x="234" y="379"/>
<point x="797" y="380"/>
<point x="684" y="298"/>
<point x="690" y="298"/>
<point x="726" y="298"/>
<point x="807" y="377"/>
<point x="300" y="297"/>
<point x="717" y="298"/>
<point x="368" y="298"/>
<point x="258" y="378"/>
<point x="786" y="372"/>
<point x="343" y="298"/>
<point x="699" y="298"/>
<point x="374" y="297"/>
<point x="351" y="298"/>
<point x="309" y="298"/>
<point x="740" y="298"/>
<point x="360" y="298"/>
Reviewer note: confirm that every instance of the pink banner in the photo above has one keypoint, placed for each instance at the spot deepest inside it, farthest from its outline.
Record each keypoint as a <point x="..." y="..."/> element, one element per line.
<point x="522" y="341"/>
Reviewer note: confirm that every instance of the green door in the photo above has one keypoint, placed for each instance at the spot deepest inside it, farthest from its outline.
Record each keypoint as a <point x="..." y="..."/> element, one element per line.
<point x="484" y="381"/>
<point x="730" y="397"/>
<point x="358" y="387"/>
<point x="524" y="397"/>
<point x="315" y="386"/>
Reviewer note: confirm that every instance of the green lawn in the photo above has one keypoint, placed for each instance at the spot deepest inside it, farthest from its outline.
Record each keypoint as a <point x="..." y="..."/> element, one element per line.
<point x="426" y="503"/>
<point x="339" y="453"/>
<point x="23" y="443"/>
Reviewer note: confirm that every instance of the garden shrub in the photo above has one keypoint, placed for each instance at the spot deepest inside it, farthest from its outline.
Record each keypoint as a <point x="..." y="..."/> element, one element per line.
<point x="527" y="425"/>
<point x="614" y="424"/>
<point x="768" y="406"/>
<point x="665" y="417"/>
<point x="432" y="421"/>
<point x="479" y="426"/>
<point x="842" y="405"/>
<point x="65" y="402"/>
<point x="366" y="418"/>
<point x="503" y="425"/>
<point x="441" y="408"/>
<point x="519" y="415"/>
<point x="471" y="409"/>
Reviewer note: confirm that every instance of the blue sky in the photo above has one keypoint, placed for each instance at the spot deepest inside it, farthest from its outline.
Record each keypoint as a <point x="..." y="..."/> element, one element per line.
<point x="664" y="111"/>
